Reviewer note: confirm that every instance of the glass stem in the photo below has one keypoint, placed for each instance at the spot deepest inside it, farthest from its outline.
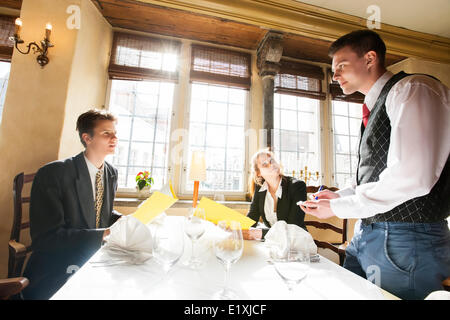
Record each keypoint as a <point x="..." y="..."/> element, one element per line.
<point x="193" y="253"/>
<point x="227" y="271"/>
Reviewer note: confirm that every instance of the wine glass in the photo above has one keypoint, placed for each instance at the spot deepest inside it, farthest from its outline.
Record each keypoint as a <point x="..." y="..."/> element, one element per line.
<point x="228" y="250"/>
<point x="194" y="227"/>
<point x="293" y="264"/>
<point x="168" y="244"/>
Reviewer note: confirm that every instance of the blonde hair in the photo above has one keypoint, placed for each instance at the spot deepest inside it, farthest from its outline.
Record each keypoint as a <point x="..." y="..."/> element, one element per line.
<point x="254" y="179"/>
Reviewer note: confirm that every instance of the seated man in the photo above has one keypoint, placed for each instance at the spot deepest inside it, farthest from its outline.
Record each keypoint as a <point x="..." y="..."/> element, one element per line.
<point x="71" y="207"/>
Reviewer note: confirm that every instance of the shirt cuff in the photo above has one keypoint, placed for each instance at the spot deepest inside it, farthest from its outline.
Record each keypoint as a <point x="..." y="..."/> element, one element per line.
<point x="346" y="192"/>
<point x="343" y="207"/>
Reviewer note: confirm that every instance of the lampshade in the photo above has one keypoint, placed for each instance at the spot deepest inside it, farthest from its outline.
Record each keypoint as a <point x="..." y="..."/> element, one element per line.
<point x="197" y="171"/>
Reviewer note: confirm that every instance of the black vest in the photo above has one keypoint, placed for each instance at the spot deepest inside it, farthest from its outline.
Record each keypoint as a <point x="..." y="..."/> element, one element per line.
<point x="373" y="151"/>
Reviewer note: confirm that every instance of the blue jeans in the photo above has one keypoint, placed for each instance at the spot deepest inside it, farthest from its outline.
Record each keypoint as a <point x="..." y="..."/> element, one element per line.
<point x="409" y="260"/>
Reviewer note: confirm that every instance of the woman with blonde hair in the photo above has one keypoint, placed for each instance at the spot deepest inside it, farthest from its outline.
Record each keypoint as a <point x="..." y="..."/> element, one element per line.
<point x="274" y="195"/>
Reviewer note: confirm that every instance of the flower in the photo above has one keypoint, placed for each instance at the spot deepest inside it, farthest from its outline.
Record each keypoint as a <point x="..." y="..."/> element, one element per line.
<point x="144" y="179"/>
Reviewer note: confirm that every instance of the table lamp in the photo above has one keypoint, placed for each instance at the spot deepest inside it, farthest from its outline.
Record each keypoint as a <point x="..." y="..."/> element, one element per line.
<point x="197" y="172"/>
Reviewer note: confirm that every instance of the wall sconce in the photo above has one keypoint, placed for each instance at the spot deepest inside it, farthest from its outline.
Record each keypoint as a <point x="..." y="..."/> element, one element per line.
<point x="42" y="58"/>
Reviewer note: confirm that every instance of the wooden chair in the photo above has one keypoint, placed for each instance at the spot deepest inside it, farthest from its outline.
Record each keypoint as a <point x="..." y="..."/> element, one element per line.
<point x="12" y="286"/>
<point x="18" y="252"/>
<point x="338" y="247"/>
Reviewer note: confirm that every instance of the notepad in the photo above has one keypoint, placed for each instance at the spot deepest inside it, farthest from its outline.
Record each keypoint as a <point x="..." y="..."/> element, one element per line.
<point x="156" y="204"/>
<point x="216" y="212"/>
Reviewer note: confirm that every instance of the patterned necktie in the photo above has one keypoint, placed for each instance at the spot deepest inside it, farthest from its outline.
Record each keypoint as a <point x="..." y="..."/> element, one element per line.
<point x="366" y="114"/>
<point x="98" y="197"/>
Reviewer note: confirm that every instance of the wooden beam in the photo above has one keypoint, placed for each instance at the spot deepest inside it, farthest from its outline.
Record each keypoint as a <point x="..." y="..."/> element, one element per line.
<point x="294" y="17"/>
<point x="13" y="4"/>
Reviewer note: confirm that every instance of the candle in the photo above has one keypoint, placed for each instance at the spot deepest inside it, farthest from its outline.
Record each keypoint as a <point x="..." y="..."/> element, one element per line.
<point x="18" y="27"/>
<point x="48" y="31"/>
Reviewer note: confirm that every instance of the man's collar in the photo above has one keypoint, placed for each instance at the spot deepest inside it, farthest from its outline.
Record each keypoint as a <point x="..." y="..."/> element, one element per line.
<point x="375" y="91"/>
<point x="91" y="166"/>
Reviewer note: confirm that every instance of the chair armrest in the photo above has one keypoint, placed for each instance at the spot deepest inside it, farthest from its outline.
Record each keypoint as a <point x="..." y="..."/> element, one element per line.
<point x="12" y="286"/>
<point x="17" y="246"/>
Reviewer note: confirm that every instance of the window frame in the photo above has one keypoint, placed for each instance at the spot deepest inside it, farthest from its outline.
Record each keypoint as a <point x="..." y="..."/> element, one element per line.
<point x="183" y="178"/>
<point x="131" y="192"/>
<point x="332" y="143"/>
<point x="318" y="132"/>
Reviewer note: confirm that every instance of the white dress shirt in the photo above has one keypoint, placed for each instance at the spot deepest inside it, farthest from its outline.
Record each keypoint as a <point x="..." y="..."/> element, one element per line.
<point x="419" y="112"/>
<point x="269" y="205"/>
<point x="93" y="172"/>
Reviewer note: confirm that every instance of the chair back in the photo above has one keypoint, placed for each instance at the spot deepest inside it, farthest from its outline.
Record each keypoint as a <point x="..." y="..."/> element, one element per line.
<point x="17" y="250"/>
<point x="338" y="226"/>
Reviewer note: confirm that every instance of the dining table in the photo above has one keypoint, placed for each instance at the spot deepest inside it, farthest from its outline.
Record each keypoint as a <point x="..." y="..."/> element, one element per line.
<point x="252" y="277"/>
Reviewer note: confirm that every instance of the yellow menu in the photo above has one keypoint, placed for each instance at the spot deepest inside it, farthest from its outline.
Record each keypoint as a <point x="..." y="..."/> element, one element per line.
<point x="153" y="206"/>
<point x="215" y="212"/>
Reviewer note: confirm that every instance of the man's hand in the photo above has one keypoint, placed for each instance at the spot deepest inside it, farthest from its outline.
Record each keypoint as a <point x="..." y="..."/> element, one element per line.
<point x="106" y="233"/>
<point x="318" y="208"/>
<point x="252" y="234"/>
<point x="326" y="194"/>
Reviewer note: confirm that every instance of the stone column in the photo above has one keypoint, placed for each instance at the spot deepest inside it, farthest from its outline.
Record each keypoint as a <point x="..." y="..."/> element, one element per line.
<point x="269" y="54"/>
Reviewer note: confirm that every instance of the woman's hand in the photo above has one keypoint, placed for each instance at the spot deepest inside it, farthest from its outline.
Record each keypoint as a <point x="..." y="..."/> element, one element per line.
<point x="252" y="234"/>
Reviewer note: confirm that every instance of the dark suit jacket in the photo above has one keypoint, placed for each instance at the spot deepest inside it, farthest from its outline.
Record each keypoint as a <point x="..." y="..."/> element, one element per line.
<point x="293" y="191"/>
<point x="62" y="223"/>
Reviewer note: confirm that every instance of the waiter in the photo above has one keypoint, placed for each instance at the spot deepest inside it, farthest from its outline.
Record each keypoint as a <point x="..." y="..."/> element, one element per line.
<point x="402" y="191"/>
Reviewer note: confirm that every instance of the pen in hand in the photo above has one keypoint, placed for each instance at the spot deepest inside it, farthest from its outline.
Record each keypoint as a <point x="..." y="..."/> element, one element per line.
<point x="320" y="189"/>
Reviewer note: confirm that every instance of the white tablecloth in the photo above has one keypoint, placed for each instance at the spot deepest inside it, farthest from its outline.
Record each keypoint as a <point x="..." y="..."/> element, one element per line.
<point x="252" y="277"/>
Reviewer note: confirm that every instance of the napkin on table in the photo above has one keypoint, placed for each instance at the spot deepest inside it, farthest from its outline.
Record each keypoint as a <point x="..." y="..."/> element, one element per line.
<point x="130" y="241"/>
<point x="276" y="236"/>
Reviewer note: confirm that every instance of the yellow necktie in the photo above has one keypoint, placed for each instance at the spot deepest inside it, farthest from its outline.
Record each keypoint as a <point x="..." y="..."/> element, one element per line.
<point x="98" y="197"/>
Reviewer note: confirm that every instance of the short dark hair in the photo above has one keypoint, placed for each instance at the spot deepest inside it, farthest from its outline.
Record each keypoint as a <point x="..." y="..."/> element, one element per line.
<point x="87" y="121"/>
<point x="361" y="42"/>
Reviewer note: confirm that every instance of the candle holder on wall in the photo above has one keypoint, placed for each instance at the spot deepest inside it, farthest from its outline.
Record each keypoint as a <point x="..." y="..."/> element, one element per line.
<point x="42" y="58"/>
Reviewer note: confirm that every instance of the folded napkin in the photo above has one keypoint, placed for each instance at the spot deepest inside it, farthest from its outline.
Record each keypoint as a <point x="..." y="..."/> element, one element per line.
<point x="281" y="232"/>
<point x="130" y="240"/>
<point x="438" y="295"/>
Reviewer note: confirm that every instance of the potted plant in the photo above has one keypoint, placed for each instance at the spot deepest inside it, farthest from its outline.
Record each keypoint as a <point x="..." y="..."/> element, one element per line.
<point x="144" y="183"/>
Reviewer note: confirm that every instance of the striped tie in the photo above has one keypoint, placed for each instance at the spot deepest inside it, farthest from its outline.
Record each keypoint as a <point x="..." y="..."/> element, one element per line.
<point x="98" y="197"/>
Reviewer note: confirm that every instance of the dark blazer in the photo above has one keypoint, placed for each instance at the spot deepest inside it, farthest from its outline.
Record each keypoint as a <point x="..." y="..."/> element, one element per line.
<point x="293" y="191"/>
<point x="62" y="223"/>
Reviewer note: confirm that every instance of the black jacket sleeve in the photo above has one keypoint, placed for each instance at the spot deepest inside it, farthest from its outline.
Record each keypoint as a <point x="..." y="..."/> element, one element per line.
<point x="48" y="227"/>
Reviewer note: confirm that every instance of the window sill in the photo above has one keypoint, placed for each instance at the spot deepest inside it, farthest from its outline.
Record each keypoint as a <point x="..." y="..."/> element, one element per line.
<point x="135" y="202"/>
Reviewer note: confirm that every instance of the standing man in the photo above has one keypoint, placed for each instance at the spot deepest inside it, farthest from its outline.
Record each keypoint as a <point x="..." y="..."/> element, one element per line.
<point x="402" y="192"/>
<point x="71" y="207"/>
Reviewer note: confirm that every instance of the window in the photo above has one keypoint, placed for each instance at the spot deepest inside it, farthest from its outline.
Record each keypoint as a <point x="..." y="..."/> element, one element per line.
<point x="346" y="129"/>
<point x="346" y="117"/>
<point x="296" y="140"/>
<point x="144" y="110"/>
<point x="220" y="79"/>
<point x="217" y="126"/>
<point x="4" y="76"/>
<point x="296" y="134"/>
<point x="6" y="49"/>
